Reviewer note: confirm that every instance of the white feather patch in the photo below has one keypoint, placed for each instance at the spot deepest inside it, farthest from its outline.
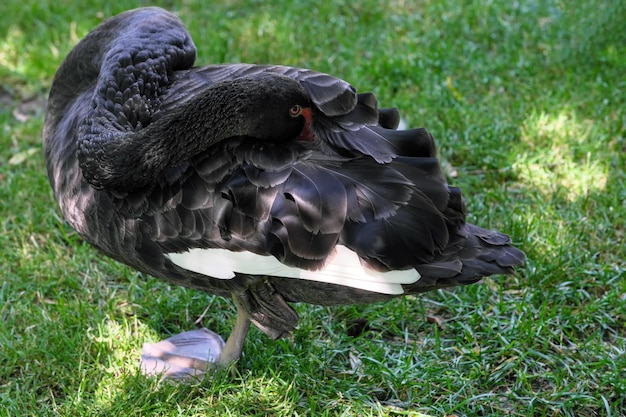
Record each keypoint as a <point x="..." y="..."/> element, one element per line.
<point x="343" y="268"/>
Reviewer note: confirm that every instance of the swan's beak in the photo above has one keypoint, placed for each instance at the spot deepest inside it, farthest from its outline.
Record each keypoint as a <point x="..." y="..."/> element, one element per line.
<point x="307" y="131"/>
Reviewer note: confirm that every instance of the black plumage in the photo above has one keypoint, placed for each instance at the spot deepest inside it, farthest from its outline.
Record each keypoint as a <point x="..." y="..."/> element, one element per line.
<point x="149" y="156"/>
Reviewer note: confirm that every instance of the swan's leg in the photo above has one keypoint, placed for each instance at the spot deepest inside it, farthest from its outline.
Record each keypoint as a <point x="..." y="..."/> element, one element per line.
<point x="234" y="345"/>
<point x="191" y="353"/>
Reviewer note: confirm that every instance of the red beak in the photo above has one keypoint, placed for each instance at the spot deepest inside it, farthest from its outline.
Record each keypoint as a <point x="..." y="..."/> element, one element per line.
<point x="307" y="130"/>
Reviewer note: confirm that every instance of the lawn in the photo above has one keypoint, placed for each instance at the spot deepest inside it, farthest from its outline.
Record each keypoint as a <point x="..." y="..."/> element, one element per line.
<point x="527" y="101"/>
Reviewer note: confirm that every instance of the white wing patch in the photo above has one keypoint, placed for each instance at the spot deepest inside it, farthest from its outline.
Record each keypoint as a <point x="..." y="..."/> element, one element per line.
<point x="342" y="268"/>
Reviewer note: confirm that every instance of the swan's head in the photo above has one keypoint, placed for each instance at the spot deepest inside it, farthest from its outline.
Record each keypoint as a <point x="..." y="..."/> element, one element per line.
<point x="270" y="107"/>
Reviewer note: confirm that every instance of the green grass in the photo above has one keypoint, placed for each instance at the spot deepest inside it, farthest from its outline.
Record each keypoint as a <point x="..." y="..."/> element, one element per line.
<point x="526" y="101"/>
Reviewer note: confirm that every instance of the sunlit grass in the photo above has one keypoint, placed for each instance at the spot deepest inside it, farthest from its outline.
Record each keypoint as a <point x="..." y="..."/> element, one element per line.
<point x="526" y="101"/>
<point x="562" y="155"/>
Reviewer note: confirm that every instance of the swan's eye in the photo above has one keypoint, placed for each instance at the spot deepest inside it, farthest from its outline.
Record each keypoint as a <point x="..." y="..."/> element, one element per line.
<point x="295" y="110"/>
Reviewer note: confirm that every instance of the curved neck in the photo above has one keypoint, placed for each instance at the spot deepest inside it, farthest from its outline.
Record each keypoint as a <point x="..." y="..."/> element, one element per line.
<point x="117" y="157"/>
<point x="124" y="65"/>
<point x="117" y="42"/>
<point x="141" y="119"/>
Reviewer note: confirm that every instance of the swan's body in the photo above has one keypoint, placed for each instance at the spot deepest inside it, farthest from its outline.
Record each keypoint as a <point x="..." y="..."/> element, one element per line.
<point x="300" y="189"/>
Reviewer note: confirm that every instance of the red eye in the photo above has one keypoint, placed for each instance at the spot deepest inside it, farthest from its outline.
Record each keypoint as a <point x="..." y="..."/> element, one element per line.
<point x="295" y="110"/>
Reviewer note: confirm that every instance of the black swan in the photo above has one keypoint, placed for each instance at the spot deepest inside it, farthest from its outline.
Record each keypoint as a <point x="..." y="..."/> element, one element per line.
<point x="266" y="184"/>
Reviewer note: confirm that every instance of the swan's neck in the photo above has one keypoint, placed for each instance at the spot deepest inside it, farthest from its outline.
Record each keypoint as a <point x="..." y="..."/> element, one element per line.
<point x="122" y="65"/>
<point x="116" y="152"/>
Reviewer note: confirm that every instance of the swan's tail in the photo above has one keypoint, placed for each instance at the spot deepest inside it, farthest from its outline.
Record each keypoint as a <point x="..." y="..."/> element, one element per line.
<point x="481" y="253"/>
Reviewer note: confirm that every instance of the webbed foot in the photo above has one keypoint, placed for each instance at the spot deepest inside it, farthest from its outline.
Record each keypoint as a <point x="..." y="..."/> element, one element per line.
<point x="186" y="354"/>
